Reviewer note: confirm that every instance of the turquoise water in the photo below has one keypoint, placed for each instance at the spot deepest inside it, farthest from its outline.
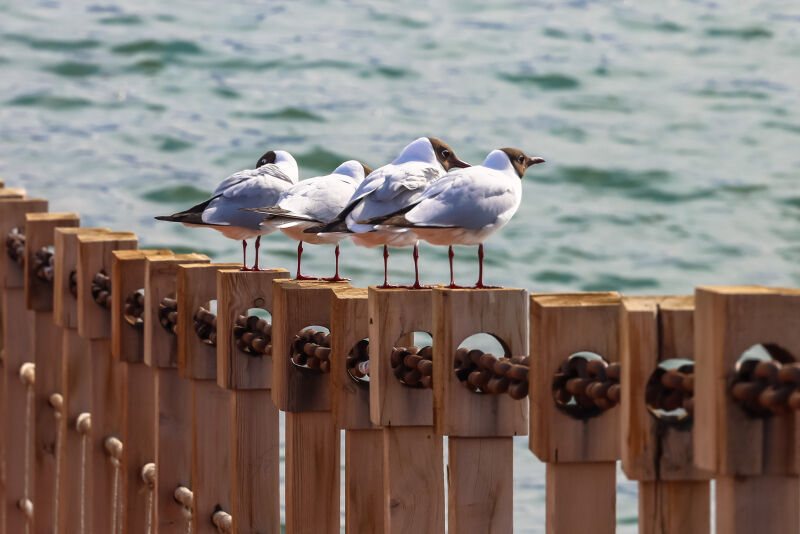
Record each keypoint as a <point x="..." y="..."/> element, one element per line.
<point x="670" y="132"/>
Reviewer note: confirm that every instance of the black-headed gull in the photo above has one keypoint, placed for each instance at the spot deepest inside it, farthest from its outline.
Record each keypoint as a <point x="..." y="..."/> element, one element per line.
<point x="275" y="172"/>
<point x="312" y="202"/>
<point x="465" y="206"/>
<point x="389" y="189"/>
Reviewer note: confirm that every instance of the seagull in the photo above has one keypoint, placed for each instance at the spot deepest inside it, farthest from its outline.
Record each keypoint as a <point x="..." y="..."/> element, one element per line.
<point x="275" y="172"/>
<point x="387" y="190"/>
<point x="312" y="202"/>
<point x="465" y="206"/>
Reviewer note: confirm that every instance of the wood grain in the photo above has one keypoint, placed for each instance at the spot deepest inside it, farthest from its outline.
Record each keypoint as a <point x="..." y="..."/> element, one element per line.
<point x="160" y="346"/>
<point x="480" y="476"/>
<point x="349" y="325"/>
<point x="197" y="286"/>
<point x="128" y="269"/>
<point x="39" y="233"/>
<point x="94" y="256"/>
<point x="12" y="215"/>
<point x="65" y="306"/>
<point x="312" y="473"/>
<point x="764" y="504"/>
<point x="255" y="463"/>
<point x="581" y="497"/>
<point x="211" y="453"/>
<point x="458" y="314"/>
<point x="413" y="480"/>
<point x="237" y="292"/>
<point x="561" y="325"/>
<point x="394" y="313"/>
<point x="364" y="501"/>
<point x="138" y="441"/>
<point x="675" y="507"/>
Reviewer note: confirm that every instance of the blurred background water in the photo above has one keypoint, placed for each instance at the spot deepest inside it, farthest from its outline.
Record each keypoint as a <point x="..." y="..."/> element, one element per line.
<point x="671" y="131"/>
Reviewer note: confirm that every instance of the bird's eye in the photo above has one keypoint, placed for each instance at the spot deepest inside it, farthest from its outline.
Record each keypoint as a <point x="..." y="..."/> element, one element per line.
<point x="262" y="162"/>
<point x="445" y="153"/>
<point x="521" y="158"/>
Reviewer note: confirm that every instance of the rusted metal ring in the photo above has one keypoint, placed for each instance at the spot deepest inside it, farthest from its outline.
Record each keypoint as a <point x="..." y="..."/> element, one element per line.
<point x="168" y="314"/>
<point x="413" y="366"/>
<point x="15" y="247"/>
<point x="205" y="326"/>
<point x="586" y="387"/>
<point x="482" y="372"/>
<point x="101" y="290"/>
<point x="311" y="350"/>
<point x="253" y="335"/>
<point x="44" y="264"/>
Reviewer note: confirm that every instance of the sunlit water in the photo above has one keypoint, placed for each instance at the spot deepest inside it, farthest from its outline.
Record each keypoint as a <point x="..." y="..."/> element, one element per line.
<point x="670" y="133"/>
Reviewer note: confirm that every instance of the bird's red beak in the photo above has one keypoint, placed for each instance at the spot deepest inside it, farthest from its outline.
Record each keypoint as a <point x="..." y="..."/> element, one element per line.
<point x="534" y="161"/>
<point x="460" y="164"/>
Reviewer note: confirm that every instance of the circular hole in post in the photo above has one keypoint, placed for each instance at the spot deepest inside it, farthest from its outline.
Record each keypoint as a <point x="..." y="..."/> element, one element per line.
<point x="412" y="359"/>
<point x="481" y="362"/>
<point x="133" y="309"/>
<point x="253" y="332"/>
<point x="204" y="323"/>
<point x="669" y="394"/>
<point x="585" y="385"/>
<point x="358" y="363"/>
<point x="168" y="313"/>
<point x="311" y="349"/>
<point x="765" y="381"/>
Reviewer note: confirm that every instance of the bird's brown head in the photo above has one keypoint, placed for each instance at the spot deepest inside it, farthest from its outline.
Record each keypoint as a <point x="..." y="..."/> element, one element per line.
<point x="445" y="154"/>
<point x="268" y="157"/>
<point x="520" y="161"/>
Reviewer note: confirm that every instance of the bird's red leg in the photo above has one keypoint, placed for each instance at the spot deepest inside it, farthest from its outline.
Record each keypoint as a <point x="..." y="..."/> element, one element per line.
<point x="451" y="255"/>
<point x="336" y="277"/>
<point x="480" y="284"/>
<point x="299" y="258"/>
<point x="258" y="245"/>
<point x="386" y="284"/>
<point x="244" y="256"/>
<point x="416" y="285"/>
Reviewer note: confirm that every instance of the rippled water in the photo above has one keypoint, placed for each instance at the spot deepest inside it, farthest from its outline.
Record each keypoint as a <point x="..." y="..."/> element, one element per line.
<point x="670" y="132"/>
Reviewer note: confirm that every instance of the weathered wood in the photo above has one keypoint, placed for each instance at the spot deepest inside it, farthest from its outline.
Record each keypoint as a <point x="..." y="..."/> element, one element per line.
<point x="65" y="305"/>
<point x="197" y="286"/>
<point x="17" y="350"/>
<point x="561" y="325"/>
<point x="94" y="256"/>
<point x="108" y="399"/>
<point x="364" y="501"/>
<point x="237" y="292"/>
<point x="578" y="498"/>
<point x="413" y="480"/>
<point x="12" y="192"/>
<point x="76" y="389"/>
<point x="732" y="319"/>
<point x="675" y="507"/>
<point x="394" y="313"/>
<point x="128" y="269"/>
<point x="480" y="485"/>
<point x="160" y="346"/>
<point x="764" y="504"/>
<point x="458" y="314"/>
<point x="39" y="233"/>
<point x="297" y="305"/>
<point x="211" y="445"/>
<point x="312" y="454"/>
<point x="349" y="325"/>
<point x="47" y="356"/>
<point x="173" y="451"/>
<point x="653" y="330"/>
<point x="138" y="442"/>
<point x="12" y="216"/>
<point x="255" y="462"/>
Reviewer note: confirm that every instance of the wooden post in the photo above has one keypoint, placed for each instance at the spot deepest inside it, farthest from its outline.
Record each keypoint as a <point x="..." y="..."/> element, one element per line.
<point x="210" y="404"/>
<point x="108" y="379"/>
<point x="173" y="395"/>
<point x="76" y="372"/>
<point x="753" y="458"/>
<point x="139" y="402"/>
<point x="312" y="439"/>
<point x="254" y="446"/>
<point x="581" y="454"/>
<point x="413" y="453"/>
<point x="673" y="493"/>
<point x="48" y="457"/>
<point x="480" y="426"/>
<point x="18" y="350"/>
<point x="363" y="485"/>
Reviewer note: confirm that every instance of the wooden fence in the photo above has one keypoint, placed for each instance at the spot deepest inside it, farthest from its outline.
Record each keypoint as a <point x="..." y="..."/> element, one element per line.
<point x="131" y="404"/>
